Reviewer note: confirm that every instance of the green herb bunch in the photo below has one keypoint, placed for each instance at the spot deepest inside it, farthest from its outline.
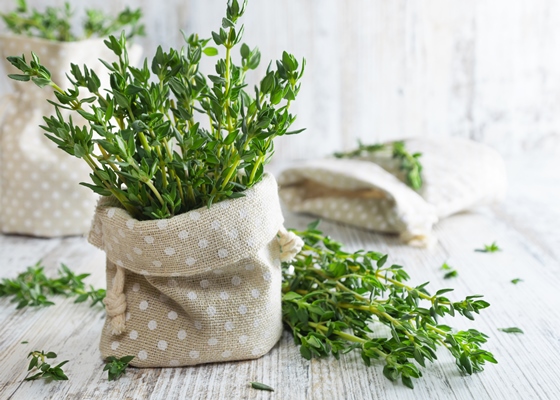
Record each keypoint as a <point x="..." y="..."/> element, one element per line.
<point x="116" y="367"/>
<point x="55" y="22"/>
<point x="409" y="163"/>
<point x="172" y="139"/>
<point x="335" y="302"/>
<point x="34" y="289"/>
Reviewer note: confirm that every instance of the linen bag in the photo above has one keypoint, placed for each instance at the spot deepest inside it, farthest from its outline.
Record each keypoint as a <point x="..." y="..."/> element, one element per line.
<point x="370" y="191"/>
<point x="200" y="287"/>
<point x="40" y="193"/>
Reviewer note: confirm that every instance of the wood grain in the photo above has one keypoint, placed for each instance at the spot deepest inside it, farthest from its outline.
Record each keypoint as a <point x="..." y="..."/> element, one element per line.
<point x="524" y="227"/>
<point x="380" y="70"/>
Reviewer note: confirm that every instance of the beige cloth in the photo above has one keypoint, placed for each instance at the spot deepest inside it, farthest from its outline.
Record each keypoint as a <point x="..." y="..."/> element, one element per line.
<point x="370" y="192"/>
<point x="204" y="286"/>
<point x="40" y="193"/>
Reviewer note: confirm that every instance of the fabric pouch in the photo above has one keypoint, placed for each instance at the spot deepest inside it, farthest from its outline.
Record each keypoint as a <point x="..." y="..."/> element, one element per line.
<point x="370" y="192"/>
<point x="204" y="286"/>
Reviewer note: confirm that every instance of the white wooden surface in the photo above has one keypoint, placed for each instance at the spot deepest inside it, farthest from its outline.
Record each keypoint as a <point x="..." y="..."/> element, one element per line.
<point x="525" y="227"/>
<point x="379" y="69"/>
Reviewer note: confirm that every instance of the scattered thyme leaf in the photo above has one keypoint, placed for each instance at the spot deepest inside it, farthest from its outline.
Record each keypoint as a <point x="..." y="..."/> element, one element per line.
<point x="451" y="274"/>
<point x="33" y="288"/>
<point x="25" y="342"/>
<point x="331" y="298"/>
<point x="115" y="367"/>
<point x="513" y="329"/>
<point x="43" y="370"/>
<point x="261" y="386"/>
<point x="516" y="281"/>
<point x="489" y="248"/>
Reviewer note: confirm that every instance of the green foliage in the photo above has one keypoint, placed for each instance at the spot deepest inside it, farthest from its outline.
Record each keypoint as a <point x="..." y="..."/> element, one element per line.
<point x="44" y="370"/>
<point x="115" y="367"/>
<point x="450" y="271"/>
<point x="516" y="281"/>
<point x="154" y="153"/>
<point x="33" y="288"/>
<point x="511" y="330"/>
<point x="55" y="22"/>
<point x="489" y="248"/>
<point x="261" y="386"/>
<point x="335" y="302"/>
<point x="409" y="163"/>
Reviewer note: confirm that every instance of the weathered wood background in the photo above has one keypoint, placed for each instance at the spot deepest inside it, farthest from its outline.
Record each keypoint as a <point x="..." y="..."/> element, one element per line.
<point x="380" y="69"/>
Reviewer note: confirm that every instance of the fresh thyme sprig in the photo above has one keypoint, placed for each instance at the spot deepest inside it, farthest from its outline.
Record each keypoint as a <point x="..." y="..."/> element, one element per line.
<point x="34" y="289"/>
<point x="451" y="272"/>
<point x="154" y="154"/>
<point x="55" y="22"/>
<point x="409" y="163"/>
<point x="43" y="369"/>
<point x="513" y="329"/>
<point x="115" y="367"/>
<point x="489" y="248"/>
<point x="333" y="299"/>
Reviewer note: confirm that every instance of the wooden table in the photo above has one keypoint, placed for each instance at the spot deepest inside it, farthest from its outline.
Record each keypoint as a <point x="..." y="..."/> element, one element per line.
<point x="526" y="227"/>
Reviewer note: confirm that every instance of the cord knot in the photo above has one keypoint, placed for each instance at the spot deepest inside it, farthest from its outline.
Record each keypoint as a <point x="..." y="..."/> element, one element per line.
<point x="115" y="303"/>
<point x="290" y="244"/>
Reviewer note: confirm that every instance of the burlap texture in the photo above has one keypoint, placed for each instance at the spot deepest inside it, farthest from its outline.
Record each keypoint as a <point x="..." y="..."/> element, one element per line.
<point x="370" y="192"/>
<point x="201" y="287"/>
<point x="40" y="193"/>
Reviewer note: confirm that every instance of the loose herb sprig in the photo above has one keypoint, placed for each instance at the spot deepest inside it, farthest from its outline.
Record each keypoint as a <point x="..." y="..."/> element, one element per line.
<point x="513" y="329"/>
<point x="115" y="367"/>
<point x="332" y="299"/>
<point x="55" y="22"/>
<point x="43" y="369"/>
<point x="409" y="163"/>
<point x="261" y="386"/>
<point x="154" y="155"/>
<point x="516" y="281"/>
<point x="451" y="272"/>
<point x="34" y="289"/>
<point x="489" y="248"/>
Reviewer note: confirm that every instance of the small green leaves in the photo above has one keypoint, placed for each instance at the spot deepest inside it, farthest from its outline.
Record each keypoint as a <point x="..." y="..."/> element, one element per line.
<point x="54" y="23"/>
<point x="115" y="367"/>
<point x="511" y="330"/>
<point x="143" y="139"/>
<point x="451" y="272"/>
<point x="261" y="386"/>
<point x="516" y="281"/>
<point x="33" y="288"/>
<point x="42" y="369"/>
<point x="489" y="248"/>
<point x="331" y="298"/>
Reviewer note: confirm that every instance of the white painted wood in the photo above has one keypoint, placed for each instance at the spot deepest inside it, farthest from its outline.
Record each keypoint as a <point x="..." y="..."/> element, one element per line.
<point x="380" y="70"/>
<point x="525" y="227"/>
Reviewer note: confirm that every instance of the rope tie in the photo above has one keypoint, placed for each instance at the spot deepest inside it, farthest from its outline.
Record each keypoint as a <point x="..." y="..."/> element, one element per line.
<point x="290" y="245"/>
<point x="115" y="303"/>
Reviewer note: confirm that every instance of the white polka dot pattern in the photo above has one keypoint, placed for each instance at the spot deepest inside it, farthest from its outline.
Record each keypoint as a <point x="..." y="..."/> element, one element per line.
<point x="189" y="304"/>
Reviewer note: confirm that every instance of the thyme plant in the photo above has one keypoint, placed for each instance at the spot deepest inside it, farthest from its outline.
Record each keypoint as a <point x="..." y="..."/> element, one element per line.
<point x="171" y="139"/>
<point x="335" y="302"/>
<point x="54" y="23"/>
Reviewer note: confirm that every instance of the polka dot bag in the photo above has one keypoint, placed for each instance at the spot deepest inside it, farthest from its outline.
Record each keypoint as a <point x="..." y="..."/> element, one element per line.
<point x="371" y="193"/>
<point x="204" y="286"/>
<point x="40" y="193"/>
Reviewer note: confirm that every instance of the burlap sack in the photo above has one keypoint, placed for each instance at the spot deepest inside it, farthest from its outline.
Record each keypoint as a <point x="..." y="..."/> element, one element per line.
<point x="40" y="193"/>
<point x="370" y="192"/>
<point x="200" y="287"/>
